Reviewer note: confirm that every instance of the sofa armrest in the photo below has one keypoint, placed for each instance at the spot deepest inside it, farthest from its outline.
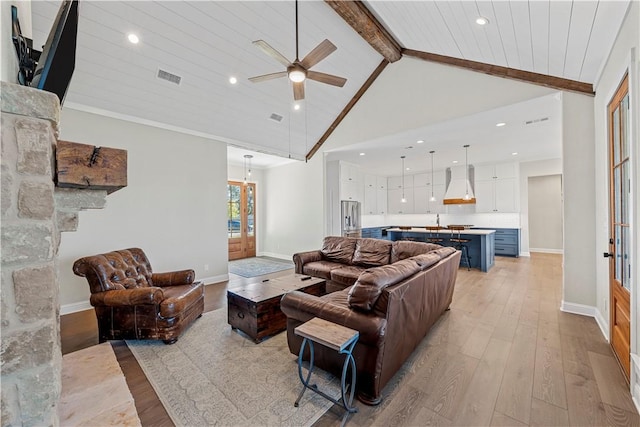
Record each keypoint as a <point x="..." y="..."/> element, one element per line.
<point x="173" y="278"/>
<point x="120" y="297"/>
<point x="302" y="258"/>
<point x="304" y="307"/>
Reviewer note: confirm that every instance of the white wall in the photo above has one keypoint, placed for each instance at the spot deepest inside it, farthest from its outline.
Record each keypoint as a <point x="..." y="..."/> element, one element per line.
<point x="623" y="58"/>
<point x="527" y="170"/>
<point x="294" y="213"/>
<point x="9" y="64"/>
<point x="173" y="207"/>
<point x="579" y="287"/>
<point x="545" y="213"/>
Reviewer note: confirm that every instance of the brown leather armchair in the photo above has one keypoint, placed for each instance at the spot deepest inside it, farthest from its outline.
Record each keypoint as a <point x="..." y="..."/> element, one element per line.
<point x="132" y="302"/>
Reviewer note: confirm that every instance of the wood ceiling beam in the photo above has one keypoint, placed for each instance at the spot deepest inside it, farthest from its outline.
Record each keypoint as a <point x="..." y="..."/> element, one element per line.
<point x="505" y="72"/>
<point x="359" y="17"/>
<point x="348" y="108"/>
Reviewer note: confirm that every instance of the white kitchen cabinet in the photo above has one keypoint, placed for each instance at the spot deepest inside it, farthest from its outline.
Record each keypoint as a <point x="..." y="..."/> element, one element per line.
<point x="395" y="182"/>
<point x="422" y="199"/>
<point x="394" y="201"/>
<point x="351" y="185"/>
<point x="381" y="201"/>
<point x="496" y="187"/>
<point x="375" y="195"/>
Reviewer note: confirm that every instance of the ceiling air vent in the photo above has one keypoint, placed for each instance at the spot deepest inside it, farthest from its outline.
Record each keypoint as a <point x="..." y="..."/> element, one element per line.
<point x="276" y="117"/>
<point x="165" y="75"/>
<point x="530" y="122"/>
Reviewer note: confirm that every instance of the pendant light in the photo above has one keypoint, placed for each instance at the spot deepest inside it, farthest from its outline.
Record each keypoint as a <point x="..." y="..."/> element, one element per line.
<point x="403" y="200"/>
<point x="466" y="172"/>
<point x="433" y="198"/>
<point x="247" y="172"/>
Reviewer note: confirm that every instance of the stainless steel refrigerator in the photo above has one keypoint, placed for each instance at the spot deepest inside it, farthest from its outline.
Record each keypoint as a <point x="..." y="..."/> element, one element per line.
<point x="350" y="224"/>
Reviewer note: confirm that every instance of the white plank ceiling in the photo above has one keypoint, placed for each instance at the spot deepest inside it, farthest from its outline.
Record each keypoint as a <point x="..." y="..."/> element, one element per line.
<point x="206" y="42"/>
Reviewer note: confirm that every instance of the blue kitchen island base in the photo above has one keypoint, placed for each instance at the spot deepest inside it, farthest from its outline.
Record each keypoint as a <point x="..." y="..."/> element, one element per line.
<point x="481" y="245"/>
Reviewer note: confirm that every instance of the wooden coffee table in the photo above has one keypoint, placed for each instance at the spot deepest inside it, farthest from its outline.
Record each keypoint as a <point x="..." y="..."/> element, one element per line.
<point x="255" y="308"/>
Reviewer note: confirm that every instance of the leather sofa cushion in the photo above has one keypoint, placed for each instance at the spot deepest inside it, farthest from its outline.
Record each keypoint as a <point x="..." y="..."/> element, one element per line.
<point x="346" y="275"/>
<point x="321" y="269"/>
<point x="364" y="294"/>
<point x="403" y="249"/>
<point x="372" y="252"/>
<point x="178" y="298"/>
<point x="338" y="249"/>
<point x="427" y="260"/>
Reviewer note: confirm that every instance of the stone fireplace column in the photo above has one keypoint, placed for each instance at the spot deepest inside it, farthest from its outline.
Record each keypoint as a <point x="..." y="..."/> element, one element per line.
<point x="32" y="219"/>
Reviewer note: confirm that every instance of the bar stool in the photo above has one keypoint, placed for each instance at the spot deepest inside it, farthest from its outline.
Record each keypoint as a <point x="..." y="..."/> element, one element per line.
<point x="461" y="244"/>
<point x="431" y="238"/>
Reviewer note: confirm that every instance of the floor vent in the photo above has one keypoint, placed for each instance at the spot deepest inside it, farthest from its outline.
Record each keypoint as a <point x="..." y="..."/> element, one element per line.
<point x="276" y="117"/>
<point x="165" y="75"/>
<point x="530" y="122"/>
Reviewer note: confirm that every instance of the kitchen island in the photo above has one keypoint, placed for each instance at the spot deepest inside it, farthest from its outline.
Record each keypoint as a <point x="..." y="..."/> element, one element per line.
<point x="481" y="245"/>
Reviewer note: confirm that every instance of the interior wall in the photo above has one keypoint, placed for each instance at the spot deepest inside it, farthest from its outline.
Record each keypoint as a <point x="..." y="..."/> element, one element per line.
<point x="545" y="213"/>
<point x="294" y="212"/>
<point x="578" y="161"/>
<point x="622" y="59"/>
<point x="527" y="170"/>
<point x="173" y="207"/>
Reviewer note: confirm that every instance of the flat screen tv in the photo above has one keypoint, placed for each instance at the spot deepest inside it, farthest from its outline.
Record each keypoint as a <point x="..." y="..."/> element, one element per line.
<point x="58" y="59"/>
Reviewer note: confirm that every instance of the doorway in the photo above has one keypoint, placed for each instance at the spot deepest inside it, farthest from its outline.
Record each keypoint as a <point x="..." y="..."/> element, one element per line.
<point x="241" y="223"/>
<point x="545" y="214"/>
<point x="619" y="225"/>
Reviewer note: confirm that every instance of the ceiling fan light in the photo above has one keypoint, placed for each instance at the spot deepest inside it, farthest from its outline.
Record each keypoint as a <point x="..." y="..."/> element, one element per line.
<point x="297" y="76"/>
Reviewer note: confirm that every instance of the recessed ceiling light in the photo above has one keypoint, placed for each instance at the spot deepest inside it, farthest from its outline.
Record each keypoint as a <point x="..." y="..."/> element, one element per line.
<point x="515" y="153"/>
<point x="481" y="20"/>
<point x="296" y="106"/>
<point x="408" y="169"/>
<point x="362" y="154"/>
<point x="233" y="80"/>
<point x="133" y="38"/>
<point x="500" y="124"/>
<point x="455" y="161"/>
<point x="420" y="141"/>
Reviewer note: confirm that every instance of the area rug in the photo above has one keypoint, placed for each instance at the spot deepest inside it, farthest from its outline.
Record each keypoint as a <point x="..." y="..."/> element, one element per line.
<point x="257" y="266"/>
<point x="216" y="376"/>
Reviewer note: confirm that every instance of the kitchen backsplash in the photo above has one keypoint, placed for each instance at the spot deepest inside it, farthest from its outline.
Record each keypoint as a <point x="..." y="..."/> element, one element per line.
<point x="498" y="220"/>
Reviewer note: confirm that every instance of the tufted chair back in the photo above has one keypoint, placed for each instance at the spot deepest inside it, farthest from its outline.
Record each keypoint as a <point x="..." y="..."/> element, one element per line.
<point x="122" y="269"/>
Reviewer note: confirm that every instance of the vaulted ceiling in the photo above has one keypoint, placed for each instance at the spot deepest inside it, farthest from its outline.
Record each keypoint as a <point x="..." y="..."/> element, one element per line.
<point x="206" y="43"/>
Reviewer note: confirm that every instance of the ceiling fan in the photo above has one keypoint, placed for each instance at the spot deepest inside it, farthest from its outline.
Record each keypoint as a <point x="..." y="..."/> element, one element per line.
<point x="298" y="71"/>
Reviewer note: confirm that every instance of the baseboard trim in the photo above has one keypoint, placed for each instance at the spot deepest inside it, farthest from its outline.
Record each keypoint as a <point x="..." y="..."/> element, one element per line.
<point x="547" y="251"/>
<point x="75" y="307"/>
<point x="602" y="322"/>
<point x="635" y="376"/>
<point x="214" y="279"/>
<point x="527" y="254"/>
<point x="275" y="255"/>
<point x="584" y="310"/>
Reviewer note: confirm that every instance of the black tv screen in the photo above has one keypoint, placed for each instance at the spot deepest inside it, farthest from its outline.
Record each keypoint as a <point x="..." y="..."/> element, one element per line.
<point x="58" y="59"/>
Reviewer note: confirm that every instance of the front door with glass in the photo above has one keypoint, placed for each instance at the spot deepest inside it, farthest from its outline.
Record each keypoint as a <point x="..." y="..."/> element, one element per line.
<point x="241" y="224"/>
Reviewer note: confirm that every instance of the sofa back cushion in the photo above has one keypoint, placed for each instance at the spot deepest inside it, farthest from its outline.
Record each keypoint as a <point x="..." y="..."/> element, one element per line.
<point x="122" y="269"/>
<point x="372" y="252"/>
<point x="364" y="294"/>
<point x="403" y="249"/>
<point x="338" y="249"/>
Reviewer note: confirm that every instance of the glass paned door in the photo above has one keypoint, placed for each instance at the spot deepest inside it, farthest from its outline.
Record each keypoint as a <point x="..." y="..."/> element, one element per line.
<point x="619" y="227"/>
<point x="241" y="230"/>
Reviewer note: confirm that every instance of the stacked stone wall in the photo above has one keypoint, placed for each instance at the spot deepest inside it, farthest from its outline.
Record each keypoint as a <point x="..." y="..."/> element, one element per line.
<point x="33" y="213"/>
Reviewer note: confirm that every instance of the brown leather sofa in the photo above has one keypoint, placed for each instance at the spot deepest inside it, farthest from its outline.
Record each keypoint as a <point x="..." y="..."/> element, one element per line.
<point x="341" y="259"/>
<point x="132" y="302"/>
<point x="393" y="306"/>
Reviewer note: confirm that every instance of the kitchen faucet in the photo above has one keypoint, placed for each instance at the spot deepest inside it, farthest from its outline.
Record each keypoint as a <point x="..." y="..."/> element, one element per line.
<point x="438" y="220"/>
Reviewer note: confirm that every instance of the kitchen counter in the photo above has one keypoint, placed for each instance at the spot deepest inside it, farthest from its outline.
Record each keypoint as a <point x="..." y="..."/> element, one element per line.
<point x="481" y="244"/>
<point x="470" y="231"/>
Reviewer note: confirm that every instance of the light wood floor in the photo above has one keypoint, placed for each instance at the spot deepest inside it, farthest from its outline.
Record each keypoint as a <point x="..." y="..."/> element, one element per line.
<point x="504" y="355"/>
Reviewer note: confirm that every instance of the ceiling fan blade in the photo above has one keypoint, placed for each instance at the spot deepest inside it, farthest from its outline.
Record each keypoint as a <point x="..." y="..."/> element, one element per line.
<point x="326" y="78"/>
<point x="298" y="91"/>
<point x="324" y="49"/>
<point x="266" y="77"/>
<point x="266" y="48"/>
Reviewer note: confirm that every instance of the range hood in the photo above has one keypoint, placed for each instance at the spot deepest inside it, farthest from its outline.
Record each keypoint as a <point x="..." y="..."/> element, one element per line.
<point x="458" y="186"/>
